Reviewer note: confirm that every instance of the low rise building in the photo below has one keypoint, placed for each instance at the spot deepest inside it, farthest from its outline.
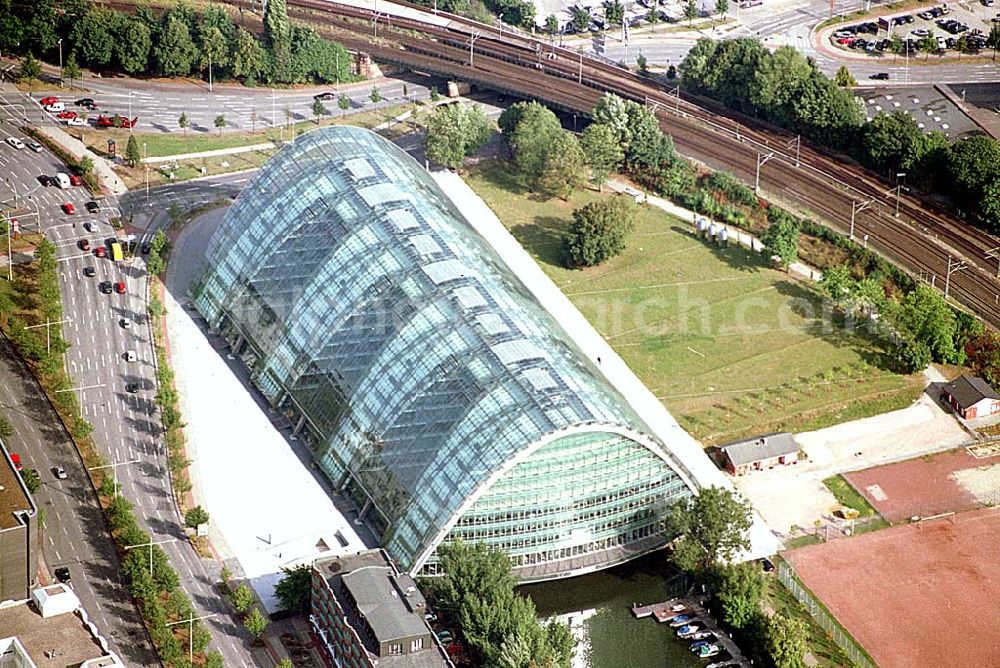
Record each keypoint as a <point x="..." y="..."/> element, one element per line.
<point x="759" y="453"/>
<point x="366" y="613"/>
<point x="18" y="533"/>
<point x="52" y="631"/>
<point x="972" y="397"/>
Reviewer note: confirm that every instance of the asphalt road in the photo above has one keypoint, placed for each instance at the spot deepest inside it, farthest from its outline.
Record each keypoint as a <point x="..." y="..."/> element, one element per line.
<point x="74" y="533"/>
<point x="126" y="426"/>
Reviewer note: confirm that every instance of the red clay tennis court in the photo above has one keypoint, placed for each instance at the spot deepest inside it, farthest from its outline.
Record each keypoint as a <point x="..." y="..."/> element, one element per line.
<point x="920" y="487"/>
<point x="922" y="594"/>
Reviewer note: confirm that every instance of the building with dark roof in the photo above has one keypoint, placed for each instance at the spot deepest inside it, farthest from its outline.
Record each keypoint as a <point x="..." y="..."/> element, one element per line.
<point x="972" y="397"/>
<point x="759" y="453"/>
<point x="433" y="388"/>
<point x="367" y="613"/>
<point x="18" y="533"/>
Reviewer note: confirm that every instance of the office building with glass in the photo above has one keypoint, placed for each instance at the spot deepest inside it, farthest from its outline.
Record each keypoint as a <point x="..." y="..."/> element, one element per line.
<point x="433" y="389"/>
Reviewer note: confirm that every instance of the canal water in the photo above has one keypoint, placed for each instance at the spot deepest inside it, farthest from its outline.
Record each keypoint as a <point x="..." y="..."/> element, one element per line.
<point x="616" y="639"/>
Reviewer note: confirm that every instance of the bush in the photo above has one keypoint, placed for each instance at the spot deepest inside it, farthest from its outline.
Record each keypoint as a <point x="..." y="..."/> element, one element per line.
<point x="598" y="232"/>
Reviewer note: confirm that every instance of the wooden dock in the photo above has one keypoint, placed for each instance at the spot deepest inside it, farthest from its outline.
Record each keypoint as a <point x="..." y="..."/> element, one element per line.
<point x="665" y="610"/>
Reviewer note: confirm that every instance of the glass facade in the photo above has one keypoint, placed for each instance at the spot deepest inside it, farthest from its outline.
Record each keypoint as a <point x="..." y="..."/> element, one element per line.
<point x="433" y="389"/>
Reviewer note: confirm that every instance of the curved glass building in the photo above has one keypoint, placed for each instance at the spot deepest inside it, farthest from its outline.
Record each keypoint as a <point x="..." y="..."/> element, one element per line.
<point x="432" y="388"/>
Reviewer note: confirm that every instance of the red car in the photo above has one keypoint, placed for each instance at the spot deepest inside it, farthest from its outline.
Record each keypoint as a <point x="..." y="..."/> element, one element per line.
<point x="66" y="114"/>
<point x="120" y="287"/>
<point x="75" y="180"/>
<point x="100" y="252"/>
<point x="68" y="208"/>
<point x="46" y="101"/>
<point x="84" y="245"/>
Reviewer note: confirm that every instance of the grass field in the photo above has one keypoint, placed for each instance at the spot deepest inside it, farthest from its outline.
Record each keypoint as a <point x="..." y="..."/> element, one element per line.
<point x="731" y="346"/>
<point x="848" y="496"/>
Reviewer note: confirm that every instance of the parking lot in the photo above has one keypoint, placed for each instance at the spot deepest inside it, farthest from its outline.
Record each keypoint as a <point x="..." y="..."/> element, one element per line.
<point x="932" y="110"/>
<point x="940" y="29"/>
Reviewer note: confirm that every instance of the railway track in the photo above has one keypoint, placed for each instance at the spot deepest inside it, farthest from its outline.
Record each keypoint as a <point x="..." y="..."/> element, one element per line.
<point x="924" y="240"/>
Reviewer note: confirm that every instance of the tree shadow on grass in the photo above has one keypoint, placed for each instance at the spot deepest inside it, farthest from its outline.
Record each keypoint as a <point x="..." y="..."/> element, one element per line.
<point x="543" y="238"/>
<point x="734" y="255"/>
<point x="502" y="175"/>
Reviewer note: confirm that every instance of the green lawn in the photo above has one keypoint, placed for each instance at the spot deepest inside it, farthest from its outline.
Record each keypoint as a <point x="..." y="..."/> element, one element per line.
<point x="819" y="643"/>
<point x="848" y="496"/>
<point x="731" y="346"/>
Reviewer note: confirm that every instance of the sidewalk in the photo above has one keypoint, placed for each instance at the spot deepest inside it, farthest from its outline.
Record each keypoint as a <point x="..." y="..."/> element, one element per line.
<point x="736" y="235"/>
<point x="105" y="173"/>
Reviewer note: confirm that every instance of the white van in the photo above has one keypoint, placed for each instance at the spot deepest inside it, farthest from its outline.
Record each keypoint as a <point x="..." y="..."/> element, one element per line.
<point x="55" y="107"/>
<point x="62" y="180"/>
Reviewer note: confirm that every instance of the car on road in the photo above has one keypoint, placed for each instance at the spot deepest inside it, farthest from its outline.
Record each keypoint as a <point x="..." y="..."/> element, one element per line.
<point x="45" y="180"/>
<point x="16" y="459"/>
<point x="34" y="146"/>
<point x="87" y="102"/>
<point x="76" y="121"/>
<point x="55" y="107"/>
<point x="146" y="248"/>
<point x="92" y="206"/>
<point x="766" y="565"/>
<point x="68" y="208"/>
<point x="62" y="574"/>
<point x="106" y="288"/>
<point x="75" y="180"/>
<point x="325" y="96"/>
<point x="132" y="388"/>
<point x="84" y="244"/>
<point x="101" y="251"/>
<point x="120" y="287"/>
<point x="126" y="323"/>
<point x="46" y="101"/>
<point x="59" y="472"/>
<point x="921" y="32"/>
<point x="130" y="356"/>
<point x="880" y="76"/>
<point x="15" y="142"/>
<point x="66" y="114"/>
<point x="89" y="272"/>
<point x="90" y="226"/>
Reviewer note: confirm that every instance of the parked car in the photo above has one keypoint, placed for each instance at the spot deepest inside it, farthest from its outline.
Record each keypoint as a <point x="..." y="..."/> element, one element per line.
<point x="55" y="107"/>
<point x="75" y="180"/>
<point x="105" y="287"/>
<point x="59" y="472"/>
<point x="46" y="101"/>
<point x="325" y="96"/>
<point x="84" y="244"/>
<point x="101" y="251"/>
<point x="66" y="114"/>
<point x="45" y="180"/>
<point x="76" y="121"/>
<point x="62" y="574"/>
<point x="89" y="272"/>
<point x="120" y="287"/>
<point x="86" y="102"/>
<point x="68" y="208"/>
<point x="34" y="146"/>
<point x="126" y="323"/>
<point x="15" y="142"/>
<point x="130" y="356"/>
<point x="92" y="206"/>
<point x="131" y="388"/>
<point x="921" y="32"/>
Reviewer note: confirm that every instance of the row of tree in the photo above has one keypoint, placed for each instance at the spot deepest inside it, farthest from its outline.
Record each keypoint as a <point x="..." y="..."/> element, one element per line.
<point x="787" y="89"/>
<point x="178" y="43"/>
<point x="499" y="626"/>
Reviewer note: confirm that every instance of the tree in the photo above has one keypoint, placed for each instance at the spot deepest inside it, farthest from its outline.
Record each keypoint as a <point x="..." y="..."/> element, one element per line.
<point x="924" y="317"/>
<point x="844" y="79"/>
<point x="739" y="589"/>
<point x="295" y="589"/>
<point x="642" y="64"/>
<point x="434" y="94"/>
<point x="30" y="69"/>
<point x="928" y="44"/>
<point x="691" y="10"/>
<point x="174" y="53"/>
<point x="983" y="357"/>
<point x="286" y="663"/>
<point x="989" y="207"/>
<point x="195" y="517"/>
<point x="837" y="282"/>
<point x="785" y="639"/>
<point x="214" y="48"/>
<point x="552" y="24"/>
<point x="72" y="70"/>
<point x="92" y="37"/>
<point x="721" y="7"/>
<point x="709" y="527"/>
<point x="456" y="131"/>
<point x="132" y="151"/>
<point x="993" y="40"/>
<point x="598" y="231"/>
<point x="247" y="56"/>
<point x="242" y="597"/>
<point x="31" y="480"/>
<point x="40" y="27"/>
<point x="580" y="19"/>
<point x="255" y="622"/>
<point x="182" y="122"/>
<point x="781" y="239"/>
<point x="563" y="168"/>
<point x="375" y="96"/>
<point x="614" y="12"/>
<point x="220" y="122"/>
<point x="6" y="429"/>
<point x="343" y="102"/>
<point x="318" y="109"/>
<point x="601" y="150"/>
<point x="278" y="36"/>
<point x="653" y="16"/>
<point x="973" y="164"/>
<point x="529" y="129"/>
<point x="215" y="660"/>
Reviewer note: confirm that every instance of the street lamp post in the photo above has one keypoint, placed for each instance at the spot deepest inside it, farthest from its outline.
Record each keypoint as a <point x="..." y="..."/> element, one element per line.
<point x="130" y="112"/>
<point x="209" y="71"/>
<point x="10" y="253"/>
<point x="899" y="186"/>
<point x="60" y="63"/>
<point x="500" y="21"/>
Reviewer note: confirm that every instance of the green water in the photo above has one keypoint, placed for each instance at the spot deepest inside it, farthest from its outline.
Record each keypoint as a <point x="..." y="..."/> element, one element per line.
<point x="617" y="639"/>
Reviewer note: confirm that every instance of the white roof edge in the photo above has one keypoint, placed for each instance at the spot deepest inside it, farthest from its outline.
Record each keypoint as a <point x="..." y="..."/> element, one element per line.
<point x="614" y="370"/>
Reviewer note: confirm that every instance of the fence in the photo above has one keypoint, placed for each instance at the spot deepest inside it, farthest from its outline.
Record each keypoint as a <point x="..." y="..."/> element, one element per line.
<point x="823" y="617"/>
